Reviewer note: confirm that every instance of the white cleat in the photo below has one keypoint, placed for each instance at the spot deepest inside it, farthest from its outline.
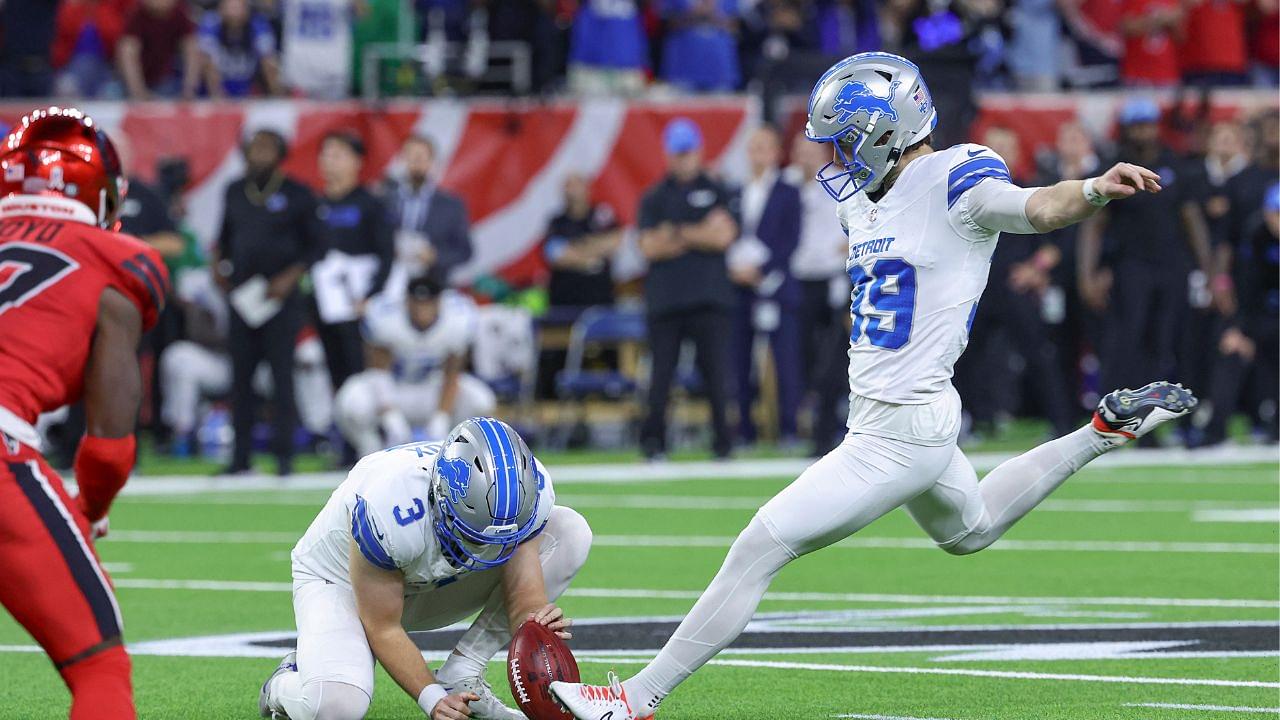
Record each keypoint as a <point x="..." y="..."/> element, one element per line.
<point x="288" y="664"/>
<point x="1130" y="414"/>
<point x="595" y="702"/>
<point x="488" y="707"/>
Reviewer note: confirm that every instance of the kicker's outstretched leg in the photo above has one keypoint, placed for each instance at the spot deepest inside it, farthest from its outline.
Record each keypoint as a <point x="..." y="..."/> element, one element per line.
<point x="964" y="516"/>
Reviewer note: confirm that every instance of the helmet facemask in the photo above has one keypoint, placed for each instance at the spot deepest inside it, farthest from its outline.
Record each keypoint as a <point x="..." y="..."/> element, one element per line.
<point x="849" y="176"/>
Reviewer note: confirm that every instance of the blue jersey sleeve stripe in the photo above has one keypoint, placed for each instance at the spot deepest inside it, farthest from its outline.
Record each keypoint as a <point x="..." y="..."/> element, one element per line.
<point x="979" y="163"/>
<point x="366" y="539"/>
<point x="967" y="183"/>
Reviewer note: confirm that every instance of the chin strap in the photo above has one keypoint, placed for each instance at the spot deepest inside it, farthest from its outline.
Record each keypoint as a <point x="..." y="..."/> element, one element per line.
<point x="102" y="466"/>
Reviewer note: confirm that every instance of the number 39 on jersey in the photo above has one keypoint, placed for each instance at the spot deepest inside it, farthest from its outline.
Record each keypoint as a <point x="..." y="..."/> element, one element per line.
<point x="883" y="303"/>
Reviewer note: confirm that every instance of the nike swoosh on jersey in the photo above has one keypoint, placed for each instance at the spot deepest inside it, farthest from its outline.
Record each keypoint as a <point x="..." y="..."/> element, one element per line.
<point x="973" y="153"/>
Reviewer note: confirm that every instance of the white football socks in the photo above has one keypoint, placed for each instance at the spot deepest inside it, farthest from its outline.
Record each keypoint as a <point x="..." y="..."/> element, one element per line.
<point x="716" y="619"/>
<point x="458" y="666"/>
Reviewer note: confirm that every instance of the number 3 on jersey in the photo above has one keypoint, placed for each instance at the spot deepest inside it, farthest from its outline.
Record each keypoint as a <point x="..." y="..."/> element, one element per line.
<point x="884" y="303"/>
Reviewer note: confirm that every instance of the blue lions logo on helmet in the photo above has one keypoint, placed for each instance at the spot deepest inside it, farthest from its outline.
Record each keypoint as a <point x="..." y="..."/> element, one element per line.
<point x="456" y="474"/>
<point x="856" y="97"/>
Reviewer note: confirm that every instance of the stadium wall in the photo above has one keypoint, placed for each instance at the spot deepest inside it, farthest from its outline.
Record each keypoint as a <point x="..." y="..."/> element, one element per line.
<point x="507" y="159"/>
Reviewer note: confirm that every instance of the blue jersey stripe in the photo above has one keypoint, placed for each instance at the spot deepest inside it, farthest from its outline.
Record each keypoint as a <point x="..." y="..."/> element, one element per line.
<point x="964" y="176"/>
<point x="960" y="188"/>
<point x="979" y="163"/>
<point x="366" y="538"/>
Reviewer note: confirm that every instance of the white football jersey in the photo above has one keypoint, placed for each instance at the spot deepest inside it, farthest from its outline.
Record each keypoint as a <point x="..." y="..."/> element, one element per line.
<point x="382" y="506"/>
<point x="918" y="261"/>
<point x="418" y="353"/>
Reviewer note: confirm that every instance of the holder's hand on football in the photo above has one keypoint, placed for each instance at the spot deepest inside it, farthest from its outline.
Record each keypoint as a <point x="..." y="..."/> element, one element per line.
<point x="453" y="707"/>
<point x="1126" y="180"/>
<point x="553" y="618"/>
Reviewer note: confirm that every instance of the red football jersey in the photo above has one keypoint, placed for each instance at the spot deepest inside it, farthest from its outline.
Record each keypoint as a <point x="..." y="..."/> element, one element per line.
<point x="52" y="274"/>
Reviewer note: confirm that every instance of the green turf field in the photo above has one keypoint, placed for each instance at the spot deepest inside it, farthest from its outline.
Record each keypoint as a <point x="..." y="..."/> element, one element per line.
<point x="1128" y="591"/>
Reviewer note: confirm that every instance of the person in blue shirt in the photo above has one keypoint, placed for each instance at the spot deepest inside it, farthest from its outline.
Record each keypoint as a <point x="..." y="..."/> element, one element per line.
<point x="701" y="49"/>
<point x="608" y="49"/>
<point x="238" y="51"/>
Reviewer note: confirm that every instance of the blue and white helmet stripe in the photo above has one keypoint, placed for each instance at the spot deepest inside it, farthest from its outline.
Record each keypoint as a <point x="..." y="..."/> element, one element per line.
<point x="506" y="471"/>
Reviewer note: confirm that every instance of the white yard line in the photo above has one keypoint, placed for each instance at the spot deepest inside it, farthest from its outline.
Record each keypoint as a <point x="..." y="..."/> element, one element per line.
<point x="629" y="473"/>
<point x="1207" y="708"/>
<point x="723" y="541"/>
<point x="1269" y="516"/>
<point x="939" y="599"/>
<point x="653" y="594"/>
<point x="1205" y="510"/>
<point x="1003" y="674"/>
<point x="221" y="585"/>
<point x="858" y="542"/>
<point x="713" y="502"/>
<point x="863" y="716"/>
<point x="205" y="537"/>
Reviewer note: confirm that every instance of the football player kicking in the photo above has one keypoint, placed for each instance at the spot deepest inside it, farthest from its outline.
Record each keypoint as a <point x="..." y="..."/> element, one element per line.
<point x="922" y="225"/>
<point x="419" y="537"/>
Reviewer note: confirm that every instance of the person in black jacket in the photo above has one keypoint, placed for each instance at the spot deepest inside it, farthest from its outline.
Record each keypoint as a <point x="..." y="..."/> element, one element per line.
<point x="268" y="237"/>
<point x="1134" y="259"/>
<point x="685" y="228"/>
<point x="359" y="247"/>
<point x="1251" y="340"/>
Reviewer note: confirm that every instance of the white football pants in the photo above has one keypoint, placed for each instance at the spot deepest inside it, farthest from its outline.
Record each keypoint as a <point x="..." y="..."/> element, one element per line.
<point x="335" y="665"/>
<point x="373" y="411"/>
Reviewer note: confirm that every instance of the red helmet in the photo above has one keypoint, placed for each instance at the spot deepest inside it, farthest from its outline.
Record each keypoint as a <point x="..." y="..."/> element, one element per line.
<point x="61" y="152"/>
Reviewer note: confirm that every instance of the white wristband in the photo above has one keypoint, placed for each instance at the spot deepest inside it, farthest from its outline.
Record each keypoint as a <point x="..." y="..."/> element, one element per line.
<point x="1093" y="197"/>
<point x="431" y="695"/>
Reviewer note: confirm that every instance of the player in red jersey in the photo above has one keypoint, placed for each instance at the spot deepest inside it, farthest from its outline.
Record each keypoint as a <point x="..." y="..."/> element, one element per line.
<point x="75" y="296"/>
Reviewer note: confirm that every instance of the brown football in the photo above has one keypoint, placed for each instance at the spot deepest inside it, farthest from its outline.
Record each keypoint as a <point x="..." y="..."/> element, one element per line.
<point x="536" y="659"/>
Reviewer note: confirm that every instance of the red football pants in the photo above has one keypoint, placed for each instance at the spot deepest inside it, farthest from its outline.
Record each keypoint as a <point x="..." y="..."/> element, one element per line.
<point x="53" y="584"/>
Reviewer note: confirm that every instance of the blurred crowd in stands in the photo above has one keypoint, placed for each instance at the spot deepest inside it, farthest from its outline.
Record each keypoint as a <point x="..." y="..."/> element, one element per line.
<point x="236" y="48"/>
<point x="338" y="304"/>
